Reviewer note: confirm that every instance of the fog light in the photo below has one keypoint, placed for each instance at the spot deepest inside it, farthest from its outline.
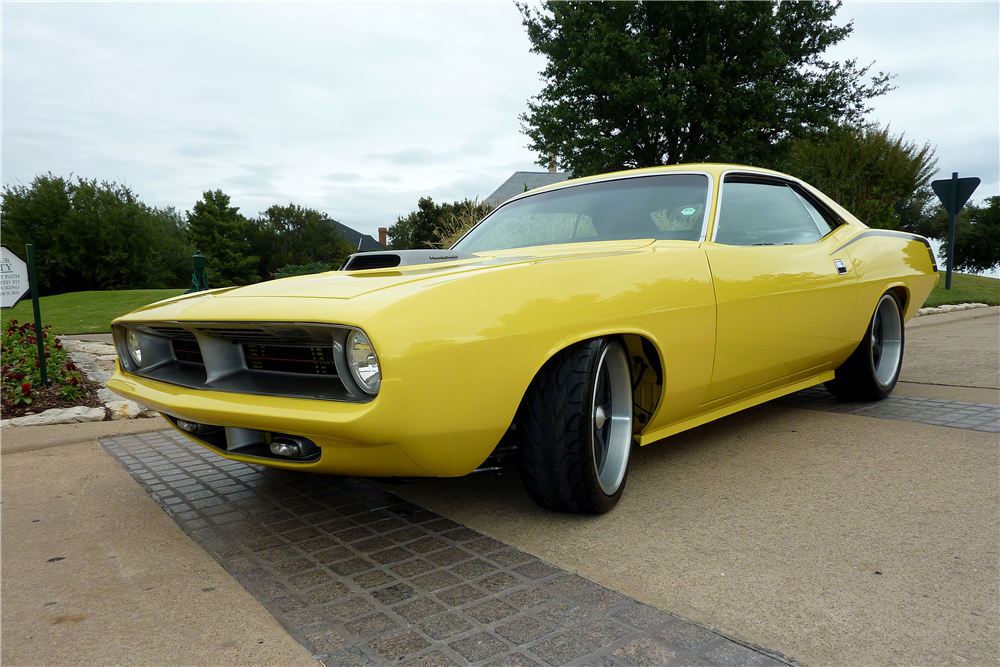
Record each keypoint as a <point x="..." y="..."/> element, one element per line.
<point x="285" y="448"/>
<point x="186" y="426"/>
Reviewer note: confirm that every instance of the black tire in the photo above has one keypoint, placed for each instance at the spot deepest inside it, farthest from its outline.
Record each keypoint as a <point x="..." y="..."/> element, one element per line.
<point x="871" y="372"/>
<point x="572" y="456"/>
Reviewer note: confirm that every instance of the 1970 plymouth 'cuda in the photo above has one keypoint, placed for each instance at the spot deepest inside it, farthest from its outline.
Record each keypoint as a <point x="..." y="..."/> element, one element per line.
<point x="572" y="322"/>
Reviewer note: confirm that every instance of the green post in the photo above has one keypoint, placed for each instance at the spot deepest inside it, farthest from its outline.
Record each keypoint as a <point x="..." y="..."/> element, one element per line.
<point x="199" y="280"/>
<point x="38" y="314"/>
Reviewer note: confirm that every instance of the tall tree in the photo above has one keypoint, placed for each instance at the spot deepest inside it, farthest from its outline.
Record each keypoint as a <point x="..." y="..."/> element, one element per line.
<point x="436" y="225"/>
<point x="639" y="84"/>
<point x="418" y="229"/>
<point x="218" y="231"/>
<point x="296" y="235"/>
<point x="977" y="235"/>
<point x="883" y="180"/>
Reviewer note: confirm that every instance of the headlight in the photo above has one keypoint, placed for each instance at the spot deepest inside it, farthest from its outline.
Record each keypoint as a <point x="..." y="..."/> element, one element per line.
<point x="132" y="345"/>
<point x="363" y="362"/>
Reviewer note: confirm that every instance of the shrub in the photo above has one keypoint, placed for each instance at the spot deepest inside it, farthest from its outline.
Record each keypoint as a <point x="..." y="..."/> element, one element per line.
<point x="20" y="374"/>
<point x="289" y="270"/>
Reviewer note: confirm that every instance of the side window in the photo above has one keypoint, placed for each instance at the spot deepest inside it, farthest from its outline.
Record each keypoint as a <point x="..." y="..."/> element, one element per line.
<point x="764" y="212"/>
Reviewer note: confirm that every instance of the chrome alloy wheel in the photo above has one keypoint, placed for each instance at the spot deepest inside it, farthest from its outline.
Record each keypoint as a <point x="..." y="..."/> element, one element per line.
<point x="611" y="402"/>
<point x="886" y="340"/>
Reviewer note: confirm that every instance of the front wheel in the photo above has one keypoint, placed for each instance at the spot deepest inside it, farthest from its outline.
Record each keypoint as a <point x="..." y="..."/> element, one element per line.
<point x="871" y="372"/>
<point x="575" y="429"/>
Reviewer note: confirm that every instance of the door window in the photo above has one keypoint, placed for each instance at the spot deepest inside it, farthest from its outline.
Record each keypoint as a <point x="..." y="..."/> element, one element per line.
<point x="758" y="211"/>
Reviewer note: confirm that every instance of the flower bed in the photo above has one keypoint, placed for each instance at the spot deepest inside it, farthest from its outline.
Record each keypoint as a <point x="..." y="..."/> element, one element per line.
<point x="21" y="389"/>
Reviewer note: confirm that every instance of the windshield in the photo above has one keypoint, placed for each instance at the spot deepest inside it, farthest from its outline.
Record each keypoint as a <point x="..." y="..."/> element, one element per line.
<point x="666" y="206"/>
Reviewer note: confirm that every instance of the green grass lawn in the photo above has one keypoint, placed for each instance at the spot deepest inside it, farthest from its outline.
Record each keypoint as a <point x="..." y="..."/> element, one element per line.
<point x="86" y="312"/>
<point x="965" y="288"/>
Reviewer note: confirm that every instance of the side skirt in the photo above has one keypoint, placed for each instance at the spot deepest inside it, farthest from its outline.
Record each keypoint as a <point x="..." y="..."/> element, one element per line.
<point x="712" y="415"/>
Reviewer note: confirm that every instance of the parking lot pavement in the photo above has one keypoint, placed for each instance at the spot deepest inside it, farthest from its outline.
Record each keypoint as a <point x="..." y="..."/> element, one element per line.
<point x="954" y="357"/>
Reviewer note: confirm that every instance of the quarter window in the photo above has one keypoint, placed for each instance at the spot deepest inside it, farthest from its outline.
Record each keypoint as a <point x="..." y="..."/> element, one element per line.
<point x="758" y="211"/>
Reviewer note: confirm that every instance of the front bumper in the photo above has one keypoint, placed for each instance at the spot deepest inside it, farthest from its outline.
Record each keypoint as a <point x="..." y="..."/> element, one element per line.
<point x="374" y="439"/>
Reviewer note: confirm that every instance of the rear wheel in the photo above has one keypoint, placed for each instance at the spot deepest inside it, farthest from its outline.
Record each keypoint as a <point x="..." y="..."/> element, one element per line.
<point x="575" y="429"/>
<point x="871" y="372"/>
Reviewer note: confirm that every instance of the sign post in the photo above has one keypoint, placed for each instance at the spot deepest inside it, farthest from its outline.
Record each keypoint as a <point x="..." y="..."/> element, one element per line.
<point x="953" y="193"/>
<point x="39" y="333"/>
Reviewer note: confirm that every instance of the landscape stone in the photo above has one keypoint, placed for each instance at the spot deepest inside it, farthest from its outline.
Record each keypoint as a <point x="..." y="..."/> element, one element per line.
<point x="123" y="410"/>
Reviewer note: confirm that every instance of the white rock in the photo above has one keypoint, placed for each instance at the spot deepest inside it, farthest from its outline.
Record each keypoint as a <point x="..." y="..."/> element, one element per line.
<point x="80" y="413"/>
<point x="123" y="410"/>
<point x="949" y="308"/>
<point x="105" y="395"/>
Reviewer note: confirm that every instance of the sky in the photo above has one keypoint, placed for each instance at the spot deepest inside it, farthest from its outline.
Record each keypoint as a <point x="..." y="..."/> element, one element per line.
<point x="360" y="109"/>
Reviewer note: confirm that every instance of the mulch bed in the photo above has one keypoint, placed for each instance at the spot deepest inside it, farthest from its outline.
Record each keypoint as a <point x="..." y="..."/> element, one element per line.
<point x="43" y="399"/>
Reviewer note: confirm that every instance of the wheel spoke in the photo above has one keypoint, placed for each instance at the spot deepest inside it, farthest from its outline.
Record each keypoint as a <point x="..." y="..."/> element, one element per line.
<point x="877" y="340"/>
<point x="600" y="449"/>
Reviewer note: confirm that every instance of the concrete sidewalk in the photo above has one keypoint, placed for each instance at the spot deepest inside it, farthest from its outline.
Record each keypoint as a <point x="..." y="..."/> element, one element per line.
<point x="892" y="560"/>
<point x="94" y="573"/>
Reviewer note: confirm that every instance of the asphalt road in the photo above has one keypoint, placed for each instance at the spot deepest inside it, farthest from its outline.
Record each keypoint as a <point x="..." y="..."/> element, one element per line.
<point x="834" y="539"/>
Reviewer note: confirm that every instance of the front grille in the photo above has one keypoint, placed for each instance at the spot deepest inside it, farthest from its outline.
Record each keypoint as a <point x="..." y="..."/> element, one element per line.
<point x="269" y="359"/>
<point x="241" y="334"/>
<point x="187" y="350"/>
<point x="305" y="360"/>
<point x="175" y="333"/>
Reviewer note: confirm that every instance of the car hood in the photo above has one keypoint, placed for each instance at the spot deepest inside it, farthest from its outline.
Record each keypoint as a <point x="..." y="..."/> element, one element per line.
<point x="334" y="296"/>
<point x="351" y="284"/>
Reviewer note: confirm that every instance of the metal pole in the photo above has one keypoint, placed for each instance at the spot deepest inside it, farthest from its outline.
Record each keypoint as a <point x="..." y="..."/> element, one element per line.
<point x="951" y="228"/>
<point x="38" y="314"/>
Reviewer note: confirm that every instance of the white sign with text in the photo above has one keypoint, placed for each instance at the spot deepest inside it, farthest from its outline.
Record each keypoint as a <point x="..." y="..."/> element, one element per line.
<point x="13" y="278"/>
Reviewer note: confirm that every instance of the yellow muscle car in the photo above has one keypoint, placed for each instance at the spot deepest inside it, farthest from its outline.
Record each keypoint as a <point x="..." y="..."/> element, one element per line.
<point x="571" y="323"/>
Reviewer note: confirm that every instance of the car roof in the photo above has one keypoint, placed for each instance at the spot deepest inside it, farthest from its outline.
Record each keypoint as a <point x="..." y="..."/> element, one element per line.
<point x="713" y="168"/>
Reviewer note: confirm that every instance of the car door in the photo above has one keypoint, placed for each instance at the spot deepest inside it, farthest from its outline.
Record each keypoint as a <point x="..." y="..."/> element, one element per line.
<point x="785" y="294"/>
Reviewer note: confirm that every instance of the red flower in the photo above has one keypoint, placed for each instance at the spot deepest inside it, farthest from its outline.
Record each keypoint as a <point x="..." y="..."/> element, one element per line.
<point x="70" y="366"/>
<point x="26" y="389"/>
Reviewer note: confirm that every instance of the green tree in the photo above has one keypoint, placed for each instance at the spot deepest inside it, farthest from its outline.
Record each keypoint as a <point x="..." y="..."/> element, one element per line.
<point x="883" y="180"/>
<point x="418" y="229"/>
<point x="639" y="84"/>
<point x="284" y="235"/>
<point x="436" y="225"/>
<point x="977" y="236"/>
<point x="289" y="270"/>
<point x="93" y="236"/>
<point x="218" y="231"/>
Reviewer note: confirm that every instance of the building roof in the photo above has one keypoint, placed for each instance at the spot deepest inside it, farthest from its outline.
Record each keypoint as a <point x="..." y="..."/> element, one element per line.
<point x="360" y="242"/>
<point x="522" y="181"/>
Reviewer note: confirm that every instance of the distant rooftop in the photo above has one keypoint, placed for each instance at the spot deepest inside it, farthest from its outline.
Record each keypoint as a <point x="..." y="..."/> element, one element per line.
<point x="522" y="181"/>
<point x="360" y="242"/>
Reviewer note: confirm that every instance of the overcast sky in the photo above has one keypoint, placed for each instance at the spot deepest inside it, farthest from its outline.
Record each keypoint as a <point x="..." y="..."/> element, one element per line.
<point x="359" y="109"/>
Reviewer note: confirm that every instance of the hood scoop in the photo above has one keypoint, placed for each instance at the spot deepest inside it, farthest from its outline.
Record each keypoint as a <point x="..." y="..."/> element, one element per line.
<point x="362" y="261"/>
